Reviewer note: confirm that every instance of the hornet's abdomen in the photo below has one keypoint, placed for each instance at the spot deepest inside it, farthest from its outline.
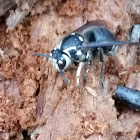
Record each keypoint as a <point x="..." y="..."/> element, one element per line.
<point x="93" y="32"/>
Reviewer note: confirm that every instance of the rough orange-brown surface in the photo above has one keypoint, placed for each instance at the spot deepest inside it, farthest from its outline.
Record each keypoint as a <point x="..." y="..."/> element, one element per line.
<point x="33" y="96"/>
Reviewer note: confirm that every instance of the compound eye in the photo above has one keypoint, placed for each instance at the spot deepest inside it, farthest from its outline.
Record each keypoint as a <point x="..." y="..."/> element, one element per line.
<point x="62" y="64"/>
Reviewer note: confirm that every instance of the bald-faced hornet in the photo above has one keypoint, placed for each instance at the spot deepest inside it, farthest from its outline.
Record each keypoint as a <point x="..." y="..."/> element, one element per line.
<point x="80" y="46"/>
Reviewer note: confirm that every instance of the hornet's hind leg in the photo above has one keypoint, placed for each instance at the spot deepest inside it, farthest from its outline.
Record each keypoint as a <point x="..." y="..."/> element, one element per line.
<point x="89" y="58"/>
<point x="87" y="70"/>
<point x="102" y="66"/>
<point x="111" y="50"/>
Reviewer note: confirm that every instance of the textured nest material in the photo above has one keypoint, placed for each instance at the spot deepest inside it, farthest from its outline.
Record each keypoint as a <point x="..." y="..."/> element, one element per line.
<point x="34" y="100"/>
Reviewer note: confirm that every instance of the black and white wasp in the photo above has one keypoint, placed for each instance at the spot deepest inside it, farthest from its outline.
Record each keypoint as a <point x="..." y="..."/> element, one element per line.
<point x="80" y="46"/>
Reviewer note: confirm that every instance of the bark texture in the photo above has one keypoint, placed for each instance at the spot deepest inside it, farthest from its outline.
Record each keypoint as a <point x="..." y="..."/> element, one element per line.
<point x="33" y="96"/>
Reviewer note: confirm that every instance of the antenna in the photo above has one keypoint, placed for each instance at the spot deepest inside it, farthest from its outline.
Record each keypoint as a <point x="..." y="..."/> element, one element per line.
<point x="41" y="54"/>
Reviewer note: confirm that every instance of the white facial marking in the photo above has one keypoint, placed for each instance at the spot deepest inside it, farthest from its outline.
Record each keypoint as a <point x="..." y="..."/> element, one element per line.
<point x="60" y="62"/>
<point x="68" y="61"/>
<point x="54" y="62"/>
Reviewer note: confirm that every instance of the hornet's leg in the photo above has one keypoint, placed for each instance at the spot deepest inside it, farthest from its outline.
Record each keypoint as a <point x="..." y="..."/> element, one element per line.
<point x="89" y="59"/>
<point x="102" y="66"/>
<point x="81" y="64"/>
<point x="109" y="51"/>
<point x="85" y="75"/>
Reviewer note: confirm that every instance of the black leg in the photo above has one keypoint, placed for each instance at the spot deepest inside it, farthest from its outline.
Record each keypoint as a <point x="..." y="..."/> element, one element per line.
<point x="101" y="76"/>
<point x="62" y="74"/>
<point x="102" y="66"/>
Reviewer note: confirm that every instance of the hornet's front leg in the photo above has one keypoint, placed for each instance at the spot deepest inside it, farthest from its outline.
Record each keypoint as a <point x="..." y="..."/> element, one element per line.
<point x="87" y="70"/>
<point x="81" y="65"/>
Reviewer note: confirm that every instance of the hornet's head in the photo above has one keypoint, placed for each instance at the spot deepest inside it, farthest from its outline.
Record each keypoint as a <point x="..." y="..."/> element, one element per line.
<point x="62" y="56"/>
<point x="59" y="60"/>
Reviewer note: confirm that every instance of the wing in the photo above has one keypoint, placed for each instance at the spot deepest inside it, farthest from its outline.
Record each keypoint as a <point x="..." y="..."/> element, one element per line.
<point x="107" y="43"/>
